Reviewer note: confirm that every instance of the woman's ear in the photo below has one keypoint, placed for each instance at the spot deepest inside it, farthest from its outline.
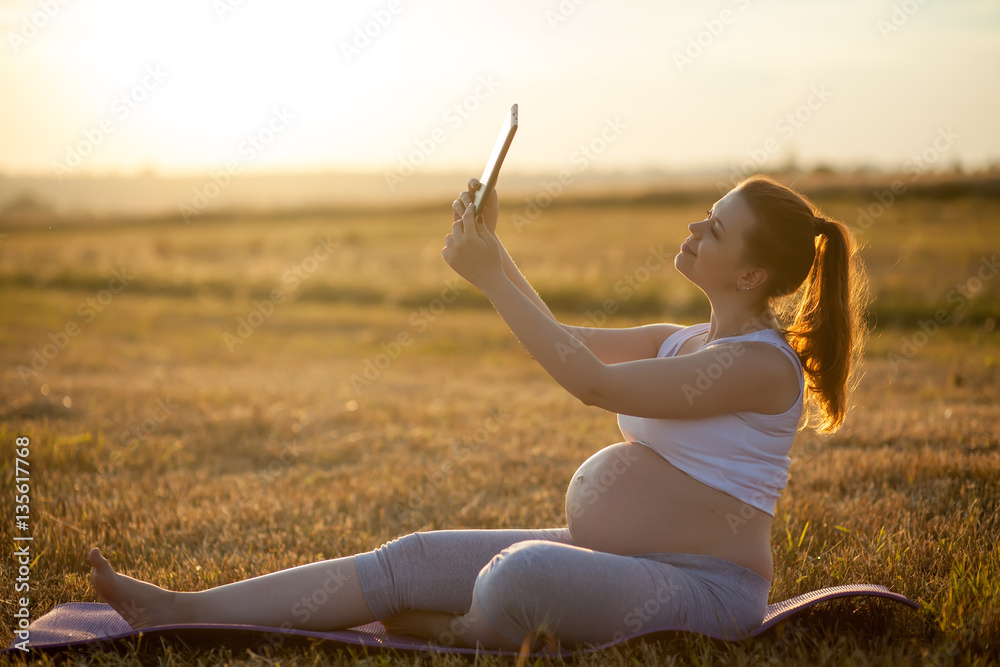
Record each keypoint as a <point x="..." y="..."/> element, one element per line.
<point x="753" y="278"/>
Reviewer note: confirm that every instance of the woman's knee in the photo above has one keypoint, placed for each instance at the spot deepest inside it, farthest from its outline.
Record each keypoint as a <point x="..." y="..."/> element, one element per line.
<point x="522" y="565"/>
<point x="516" y="590"/>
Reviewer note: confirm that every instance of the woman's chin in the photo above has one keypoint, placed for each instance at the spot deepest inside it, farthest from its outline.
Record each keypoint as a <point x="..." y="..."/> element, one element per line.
<point x="682" y="262"/>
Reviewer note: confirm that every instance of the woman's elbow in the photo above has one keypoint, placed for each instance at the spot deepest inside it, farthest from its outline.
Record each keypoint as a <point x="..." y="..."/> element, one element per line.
<point x="592" y="398"/>
<point x="592" y="389"/>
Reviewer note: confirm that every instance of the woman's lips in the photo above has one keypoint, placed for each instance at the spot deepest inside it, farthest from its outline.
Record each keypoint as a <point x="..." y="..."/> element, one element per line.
<point x="687" y="249"/>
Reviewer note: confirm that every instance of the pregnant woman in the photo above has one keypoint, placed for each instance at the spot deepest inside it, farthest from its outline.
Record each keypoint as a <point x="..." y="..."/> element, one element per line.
<point x="668" y="529"/>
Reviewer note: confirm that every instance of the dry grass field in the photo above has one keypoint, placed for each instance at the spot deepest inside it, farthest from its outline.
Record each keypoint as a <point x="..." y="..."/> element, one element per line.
<point x="250" y="395"/>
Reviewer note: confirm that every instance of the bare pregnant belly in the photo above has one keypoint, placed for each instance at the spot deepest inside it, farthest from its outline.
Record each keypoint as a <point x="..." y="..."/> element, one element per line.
<point x="627" y="499"/>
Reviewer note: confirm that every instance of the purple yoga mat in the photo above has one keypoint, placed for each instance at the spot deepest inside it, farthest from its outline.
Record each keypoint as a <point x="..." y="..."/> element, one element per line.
<point x="82" y="624"/>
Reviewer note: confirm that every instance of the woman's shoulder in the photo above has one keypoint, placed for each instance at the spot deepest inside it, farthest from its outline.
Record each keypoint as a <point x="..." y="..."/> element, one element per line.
<point x="768" y="352"/>
<point x="767" y="338"/>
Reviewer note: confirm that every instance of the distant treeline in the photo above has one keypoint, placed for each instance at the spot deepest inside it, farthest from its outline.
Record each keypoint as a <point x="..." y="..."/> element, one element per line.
<point x="28" y="211"/>
<point x="562" y="298"/>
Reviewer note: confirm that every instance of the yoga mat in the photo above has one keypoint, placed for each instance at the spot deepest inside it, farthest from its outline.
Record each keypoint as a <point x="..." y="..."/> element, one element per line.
<point x="76" y="625"/>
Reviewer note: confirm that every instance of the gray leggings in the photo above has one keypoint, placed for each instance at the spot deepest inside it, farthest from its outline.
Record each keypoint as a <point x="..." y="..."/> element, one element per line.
<point x="527" y="581"/>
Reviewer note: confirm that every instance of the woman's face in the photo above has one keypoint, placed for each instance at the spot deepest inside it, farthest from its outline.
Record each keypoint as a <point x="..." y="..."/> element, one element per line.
<point x="713" y="256"/>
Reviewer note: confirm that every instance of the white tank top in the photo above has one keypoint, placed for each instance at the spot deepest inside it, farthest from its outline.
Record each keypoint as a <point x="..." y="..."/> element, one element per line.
<point x="743" y="454"/>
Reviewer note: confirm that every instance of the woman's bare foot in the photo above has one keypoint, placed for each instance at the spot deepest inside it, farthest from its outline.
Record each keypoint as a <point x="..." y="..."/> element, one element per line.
<point x="141" y="604"/>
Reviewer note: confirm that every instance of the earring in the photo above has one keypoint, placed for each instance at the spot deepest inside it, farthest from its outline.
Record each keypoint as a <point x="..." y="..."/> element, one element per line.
<point x="741" y="287"/>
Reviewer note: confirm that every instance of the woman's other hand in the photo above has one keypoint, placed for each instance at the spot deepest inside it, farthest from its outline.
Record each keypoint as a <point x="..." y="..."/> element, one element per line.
<point x="472" y="250"/>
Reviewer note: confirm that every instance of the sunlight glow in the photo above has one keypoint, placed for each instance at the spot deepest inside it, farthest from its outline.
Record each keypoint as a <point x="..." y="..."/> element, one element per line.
<point x="366" y="82"/>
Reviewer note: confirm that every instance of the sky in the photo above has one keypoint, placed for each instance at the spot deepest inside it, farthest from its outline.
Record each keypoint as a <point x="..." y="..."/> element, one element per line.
<point x="190" y="87"/>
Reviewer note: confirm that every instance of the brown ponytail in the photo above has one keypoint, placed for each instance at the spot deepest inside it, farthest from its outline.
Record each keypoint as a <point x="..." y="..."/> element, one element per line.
<point x="815" y="280"/>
